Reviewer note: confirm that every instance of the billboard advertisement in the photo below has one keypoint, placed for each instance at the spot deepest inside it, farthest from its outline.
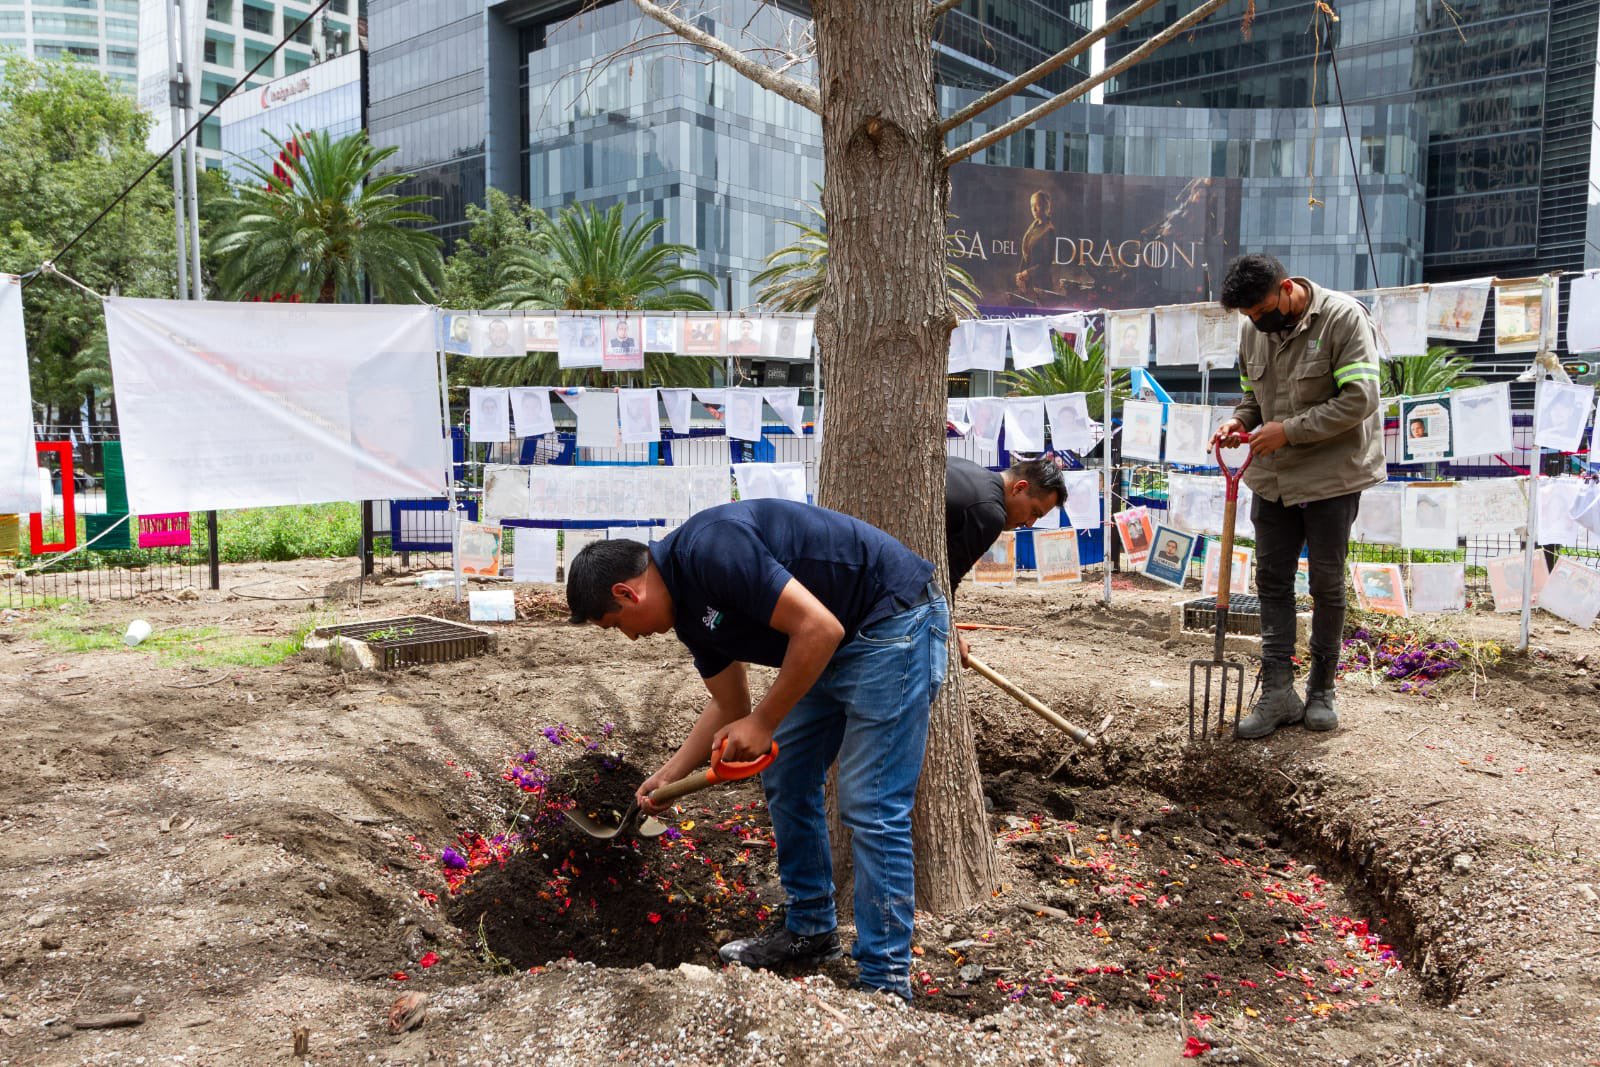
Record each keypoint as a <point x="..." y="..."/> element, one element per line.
<point x="1038" y="240"/>
<point x="326" y="97"/>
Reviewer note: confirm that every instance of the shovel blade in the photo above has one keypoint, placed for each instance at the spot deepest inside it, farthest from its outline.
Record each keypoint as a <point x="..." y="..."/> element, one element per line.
<point x="1215" y="687"/>
<point x="601" y="832"/>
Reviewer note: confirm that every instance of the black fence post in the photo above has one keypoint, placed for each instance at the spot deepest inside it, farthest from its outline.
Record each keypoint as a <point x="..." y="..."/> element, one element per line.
<point x="213" y="551"/>
<point x="366" y="538"/>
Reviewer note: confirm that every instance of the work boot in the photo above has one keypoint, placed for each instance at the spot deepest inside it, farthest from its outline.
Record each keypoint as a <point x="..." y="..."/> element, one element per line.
<point x="1279" y="705"/>
<point x="1320" y="712"/>
<point x="780" y="948"/>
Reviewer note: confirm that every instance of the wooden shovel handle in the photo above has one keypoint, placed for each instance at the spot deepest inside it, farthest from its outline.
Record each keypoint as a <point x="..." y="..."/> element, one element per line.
<point x="1005" y="685"/>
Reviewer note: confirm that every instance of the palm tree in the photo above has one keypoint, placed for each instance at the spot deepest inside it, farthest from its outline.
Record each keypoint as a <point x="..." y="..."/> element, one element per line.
<point x="1072" y="373"/>
<point x="586" y="259"/>
<point x="797" y="272"/>
<point x="1437" y="372"/>
<point x="321" y="223"/>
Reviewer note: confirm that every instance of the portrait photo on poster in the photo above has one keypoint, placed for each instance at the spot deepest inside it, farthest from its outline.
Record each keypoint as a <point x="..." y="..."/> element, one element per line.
<point x="1189" y="435"/>
<point x="1430" y="516"/>
<point x="1455" y="312"/>
<point x="1437" y="588"/>
<point x="1211" y="569"/>
<point x="1055" y="556"/>
<point x="743" y="337"/>
<point x="479" y="549"/>
<point x="539" y="333"/>
<point x="1572" y="593"/>
<point x="1425" y="428"/>
<point x="578" y="342"/>
<point x="458" y="332"/>
<point x="490" y="415"/>
<point x="1481" y="415"/>
<point x="1129" y="337"/>
<point x="497" y="336"/>
<point x="1380" y="588"/>
<point x="1562" y="410"/>
<point x="998" y="566"/>
<point x="1169" y="562"/>
<point x="701" y="337"/>
<point x="1134" y="529"/>
<point x="1141" y="429"/>
<point x="1505" y="580"/>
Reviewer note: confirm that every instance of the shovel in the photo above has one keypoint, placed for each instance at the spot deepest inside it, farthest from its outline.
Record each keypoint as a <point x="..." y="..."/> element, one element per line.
<point x="719" y="771"/>
<point x="1038" y="707"/>
<point x="1218" y="676"/>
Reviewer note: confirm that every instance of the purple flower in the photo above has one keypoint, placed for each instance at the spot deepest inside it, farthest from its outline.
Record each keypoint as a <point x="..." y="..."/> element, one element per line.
<point x="552" y="734"/>
<point x="453" y="859"/>
<point x="608" y="728"/>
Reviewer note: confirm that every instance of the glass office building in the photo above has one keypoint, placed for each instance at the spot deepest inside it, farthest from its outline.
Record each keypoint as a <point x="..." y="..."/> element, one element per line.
<point x="325" y="98"/>
<point x="103" y="34"/>
<point x="511" y="95"/>
<point x="1506" y="89"/>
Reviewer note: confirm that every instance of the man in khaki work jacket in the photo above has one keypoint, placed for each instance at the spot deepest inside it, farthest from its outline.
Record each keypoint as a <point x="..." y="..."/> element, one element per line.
<point x="1309" y="371"/>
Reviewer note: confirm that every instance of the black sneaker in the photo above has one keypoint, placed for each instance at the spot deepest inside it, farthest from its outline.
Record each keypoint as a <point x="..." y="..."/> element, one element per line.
<point x="780" y="948"/>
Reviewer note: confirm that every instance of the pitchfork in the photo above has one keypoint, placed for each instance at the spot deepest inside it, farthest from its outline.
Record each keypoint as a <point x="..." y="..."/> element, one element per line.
<point x="1219" y="675"/>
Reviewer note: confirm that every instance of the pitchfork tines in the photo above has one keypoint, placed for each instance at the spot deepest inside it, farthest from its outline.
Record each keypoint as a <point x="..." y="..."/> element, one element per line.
<point x="1219" y="677"/>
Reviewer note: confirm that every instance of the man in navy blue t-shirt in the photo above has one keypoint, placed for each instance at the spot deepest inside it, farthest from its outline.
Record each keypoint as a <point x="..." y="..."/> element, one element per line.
<point x="858" y="632"/>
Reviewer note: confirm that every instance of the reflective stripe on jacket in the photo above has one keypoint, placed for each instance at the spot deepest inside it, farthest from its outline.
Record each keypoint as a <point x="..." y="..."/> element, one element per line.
<point x="1321" y="381"/>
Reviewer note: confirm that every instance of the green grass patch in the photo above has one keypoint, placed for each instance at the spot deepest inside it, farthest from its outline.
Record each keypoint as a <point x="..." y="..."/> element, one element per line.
<point x="298" y="532"/>
<point x="194" y="646"/>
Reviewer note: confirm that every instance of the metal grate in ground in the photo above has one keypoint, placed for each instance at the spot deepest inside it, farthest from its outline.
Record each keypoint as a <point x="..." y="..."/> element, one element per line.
<point x="1244" y="614"/>
<point x="413" y="639"/>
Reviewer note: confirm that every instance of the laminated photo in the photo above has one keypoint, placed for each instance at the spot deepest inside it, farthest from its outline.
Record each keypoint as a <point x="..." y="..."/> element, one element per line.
<point x="677" y="403"/>
<point x="1189" y="429"/>
<point x="1030" y="343"/>
<point x="598" y="425"/>
<point x="1438" y="587"/>
<point x="661" y="334"/>
<point x="458" y="333"/>
<point x="1378" y="520"/>
<point x="1455" y="312"/>
<point x="1505" y="580"/>
<point x="1561" y="413"/>
<point x="478" y="548"/>
<point x="530" y="410"/>
<point x="1211" y="570"/>
<point x="1430" y="518"/>
<point x="998" y="566"/>
<point x="578" y="343"/>
<point x="1401" y="317"/>
<point x="1141" y="430"/>
<point x="1169" y="562"/>
<point x="1558" y="499"/>
<point x="743" y="337"/>
<point x="1177" y="337"/>
<point x="490" y="415"/>
<point x="539" y="334"/>
<point x="987" y="414"/>
<point x="955" y="416"/>
<point x="1572" y="593"/>
<point x="1055" y="556"/>
<point x="1518" y="317"/>
<point x="533" y="556"/>
<point x="743" y="410"/>
<point x="498" y="336"/>
<point x="1482" y="417"/>
<point x="1071" y="429"/>
<point x="637" y="414"/>
<point x="787" y="338"/>
<point x="701" y="337"/>
<point x="1083" y="498"/>
<point x="1128" y="338"/>
<point x="624" y="345"/>
<point x="988" y="344"/>
<point x="1583" y="314"/>
<point x="1135" y="530"/>
<point x="1219" y="335"/>
<point x="1380" y="588"/>
<point x="1024" y="423"/>
<point x="1425" y="428"/>
<point x="505" y="491"/>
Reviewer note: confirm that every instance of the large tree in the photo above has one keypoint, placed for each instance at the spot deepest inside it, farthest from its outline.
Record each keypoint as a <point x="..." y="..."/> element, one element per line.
<point x="320" y="224"/>
<point x="70" y="141"/>
<point x="885" y="320"/>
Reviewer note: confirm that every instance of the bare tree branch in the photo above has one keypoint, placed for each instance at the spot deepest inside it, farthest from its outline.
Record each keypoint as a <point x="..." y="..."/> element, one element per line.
<point x="1028" y="118"/>
<point x="1049" y="66"/>
<point x="764" y="76"/>
<point x="944" y="5"/>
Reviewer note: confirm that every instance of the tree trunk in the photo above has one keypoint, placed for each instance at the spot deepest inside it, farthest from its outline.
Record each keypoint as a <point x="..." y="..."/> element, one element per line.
<point x="884" y="330"/>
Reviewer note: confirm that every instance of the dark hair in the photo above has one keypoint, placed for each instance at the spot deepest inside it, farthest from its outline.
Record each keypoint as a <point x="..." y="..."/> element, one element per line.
<point x="1251" y="280"/>
<point x="592" y="573"/>
<point x="1043" y="476"/>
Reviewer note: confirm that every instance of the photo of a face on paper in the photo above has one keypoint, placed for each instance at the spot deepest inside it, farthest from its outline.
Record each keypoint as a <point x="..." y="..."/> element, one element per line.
<point x="1425" y="429"/>
<point x="1380" y="588"/>
<point x="1169" y="563"/>
<point x="998" y="566"/>
<point x="1134" y="528"/>
<point x="1055" y="556"/>
<point x="479" y="549"/>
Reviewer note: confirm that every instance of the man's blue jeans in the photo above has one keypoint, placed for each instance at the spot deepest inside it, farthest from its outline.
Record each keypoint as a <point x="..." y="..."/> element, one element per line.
<point x="870" y="711"/>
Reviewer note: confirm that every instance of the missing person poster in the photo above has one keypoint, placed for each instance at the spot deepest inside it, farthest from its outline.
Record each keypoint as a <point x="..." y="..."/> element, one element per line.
<point x="1071" y="241"/>
<point x="1425" y="428"/>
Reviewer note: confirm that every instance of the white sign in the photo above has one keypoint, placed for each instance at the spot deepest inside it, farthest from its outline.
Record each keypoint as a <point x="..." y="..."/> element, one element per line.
<point x="19" y="479"/>
<point x="230" y="405"/>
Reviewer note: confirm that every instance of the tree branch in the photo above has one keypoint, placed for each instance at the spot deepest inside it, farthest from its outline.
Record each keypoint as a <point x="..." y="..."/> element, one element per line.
<point x="944" y="5"/>
<point x="1049" y="66"/>
<point x="1028" y="118"/>
<point x="789" y="88"/>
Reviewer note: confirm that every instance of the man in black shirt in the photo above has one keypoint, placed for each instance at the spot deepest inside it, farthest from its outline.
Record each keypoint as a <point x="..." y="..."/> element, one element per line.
<point x="859" y="633"/>
<point x="980" y="503"/>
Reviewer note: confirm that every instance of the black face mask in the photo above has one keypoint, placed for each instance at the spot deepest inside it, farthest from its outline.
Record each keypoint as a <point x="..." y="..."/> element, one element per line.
<point x="1274" y="321"/>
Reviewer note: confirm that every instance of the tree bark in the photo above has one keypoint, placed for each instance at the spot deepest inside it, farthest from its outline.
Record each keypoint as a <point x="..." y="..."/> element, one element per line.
<point x="884" y="331"/>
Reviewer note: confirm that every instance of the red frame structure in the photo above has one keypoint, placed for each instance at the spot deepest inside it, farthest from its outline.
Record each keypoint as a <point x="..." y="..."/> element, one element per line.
<point x="69" y="508"/>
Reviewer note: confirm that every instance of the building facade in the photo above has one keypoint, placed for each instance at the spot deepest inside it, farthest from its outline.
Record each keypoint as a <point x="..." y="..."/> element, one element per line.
<point x="103" y="34"/>
<point x="225" y="43"/>
<point x="1506" y="89"/>
<point x="258" y="125"/>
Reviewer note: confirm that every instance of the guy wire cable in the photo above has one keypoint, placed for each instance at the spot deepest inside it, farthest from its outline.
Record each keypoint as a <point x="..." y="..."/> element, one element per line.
<point x="1355" y="169"/>
<point x="181" y="139"/>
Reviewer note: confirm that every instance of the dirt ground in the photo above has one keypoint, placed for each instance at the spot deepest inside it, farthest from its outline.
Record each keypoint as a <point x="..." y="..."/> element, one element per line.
<point x="232" y="855"/>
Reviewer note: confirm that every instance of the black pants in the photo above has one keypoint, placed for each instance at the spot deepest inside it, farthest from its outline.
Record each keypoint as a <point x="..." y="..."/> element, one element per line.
<point x="1322" y="527"/>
